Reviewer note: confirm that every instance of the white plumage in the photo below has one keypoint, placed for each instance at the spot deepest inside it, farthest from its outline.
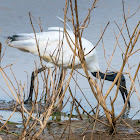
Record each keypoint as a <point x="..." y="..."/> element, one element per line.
<point x="52" y="50"/>
<point x="55" y="50"/>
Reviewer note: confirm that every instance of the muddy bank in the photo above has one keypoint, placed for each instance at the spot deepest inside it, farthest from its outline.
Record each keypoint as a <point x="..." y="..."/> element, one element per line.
<point x="77" y="129"/>
<point x="72" y="129"/>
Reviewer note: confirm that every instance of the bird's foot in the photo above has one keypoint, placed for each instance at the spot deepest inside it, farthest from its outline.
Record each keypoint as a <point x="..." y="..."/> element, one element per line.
<point x="28" y="101"/>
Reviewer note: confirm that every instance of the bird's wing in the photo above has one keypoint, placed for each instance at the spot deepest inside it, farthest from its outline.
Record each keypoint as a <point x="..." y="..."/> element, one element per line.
<point x="56" y="29"/>
<point x="54" y="47"/>
<point x="50" y="45"/>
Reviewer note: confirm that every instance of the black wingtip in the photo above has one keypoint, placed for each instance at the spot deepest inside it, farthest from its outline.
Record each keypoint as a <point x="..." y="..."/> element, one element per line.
<point x="13" y="38"/>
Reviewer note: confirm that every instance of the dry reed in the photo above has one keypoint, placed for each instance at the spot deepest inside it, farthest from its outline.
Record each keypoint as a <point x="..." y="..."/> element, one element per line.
<point x="34" y="122"/>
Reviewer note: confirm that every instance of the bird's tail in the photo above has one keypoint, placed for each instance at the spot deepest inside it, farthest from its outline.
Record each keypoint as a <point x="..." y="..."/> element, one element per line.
<point x="22" y="42"/>
<point x="19" y="37"/>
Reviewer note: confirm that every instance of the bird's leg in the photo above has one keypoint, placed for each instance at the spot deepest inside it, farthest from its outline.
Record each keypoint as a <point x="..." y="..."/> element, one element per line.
<point x="34" y="74"/>
<point x="61" y="92"/>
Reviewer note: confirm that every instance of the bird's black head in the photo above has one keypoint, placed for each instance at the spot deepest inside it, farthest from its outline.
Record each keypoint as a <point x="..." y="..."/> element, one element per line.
<point x="110" y="76"/>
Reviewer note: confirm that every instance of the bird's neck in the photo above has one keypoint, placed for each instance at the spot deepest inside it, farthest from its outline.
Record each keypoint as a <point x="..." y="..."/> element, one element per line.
<point x="110" y="76"/>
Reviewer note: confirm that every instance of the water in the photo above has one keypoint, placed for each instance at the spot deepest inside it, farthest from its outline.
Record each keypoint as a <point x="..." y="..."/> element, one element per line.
<point x="14" y="19"/>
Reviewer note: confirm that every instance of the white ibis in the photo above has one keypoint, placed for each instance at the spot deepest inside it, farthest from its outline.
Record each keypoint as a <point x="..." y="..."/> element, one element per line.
<point x="49" y="44"/>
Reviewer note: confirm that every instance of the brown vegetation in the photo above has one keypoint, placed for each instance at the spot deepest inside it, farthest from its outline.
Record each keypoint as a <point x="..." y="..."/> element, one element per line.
<point x="36" y="119"/>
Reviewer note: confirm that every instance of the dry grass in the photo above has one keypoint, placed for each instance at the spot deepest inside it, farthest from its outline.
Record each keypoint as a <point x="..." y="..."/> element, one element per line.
<point x="36" y="119"/>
